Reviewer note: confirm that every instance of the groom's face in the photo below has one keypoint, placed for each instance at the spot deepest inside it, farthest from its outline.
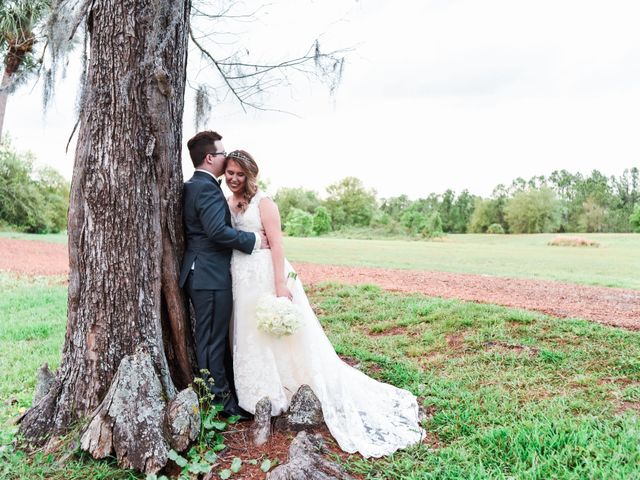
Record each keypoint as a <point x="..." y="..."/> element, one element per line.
<point x="216" y="160"/>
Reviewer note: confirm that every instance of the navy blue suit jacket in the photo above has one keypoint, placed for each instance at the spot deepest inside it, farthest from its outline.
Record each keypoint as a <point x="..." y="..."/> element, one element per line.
<point x="209" y="235"/>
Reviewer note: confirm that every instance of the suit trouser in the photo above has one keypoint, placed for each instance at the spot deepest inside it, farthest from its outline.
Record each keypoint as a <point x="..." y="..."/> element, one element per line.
<point x="213" y="309"/>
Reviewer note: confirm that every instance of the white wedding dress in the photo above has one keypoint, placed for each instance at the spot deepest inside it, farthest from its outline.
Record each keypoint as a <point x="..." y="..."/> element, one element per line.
<point x="362" y="414"/>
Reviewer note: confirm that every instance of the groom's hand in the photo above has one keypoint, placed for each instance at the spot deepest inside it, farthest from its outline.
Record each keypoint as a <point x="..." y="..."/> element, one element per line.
<point x="264" y="240"/>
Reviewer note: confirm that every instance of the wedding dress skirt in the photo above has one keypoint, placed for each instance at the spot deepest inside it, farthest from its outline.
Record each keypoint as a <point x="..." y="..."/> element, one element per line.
<point x="362" y="414"/>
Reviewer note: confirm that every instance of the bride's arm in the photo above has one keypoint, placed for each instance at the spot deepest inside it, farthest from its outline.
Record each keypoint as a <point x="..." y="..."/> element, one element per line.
<point x="270" y="217"/>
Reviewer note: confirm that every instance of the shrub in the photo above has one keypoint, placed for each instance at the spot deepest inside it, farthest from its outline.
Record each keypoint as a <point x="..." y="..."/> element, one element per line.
<point x="385" y="225"/>
<point x="634" y="220"/>
<point x="321" y="221"/>
<point x="485" y="214"/>
<point x="299" y="223"/>
<point x="433" y="226"/>
<point x="290" y="198"/>
<point x="495" y="228"/>
<point x="414" y="221"/>
<point x="564" y="241"/>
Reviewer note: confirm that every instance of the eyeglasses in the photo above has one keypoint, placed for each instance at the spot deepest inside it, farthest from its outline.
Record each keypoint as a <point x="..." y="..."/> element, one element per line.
<point x="217" y="153"/>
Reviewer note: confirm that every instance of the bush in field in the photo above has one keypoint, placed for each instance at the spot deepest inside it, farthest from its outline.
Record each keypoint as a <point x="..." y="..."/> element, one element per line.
<point x="564" y="241"/>
<point x="385" y="225"/>
<point x="485" y="213"/>
<point x="414" y="221"/>
<point x="533" y="211"/>
<point x="299" y="223"/>
<point x="290" y="198"/>
<point x="495" y="228"/>
<point x="381" y="219"/>
<point x="321" y="221"/>
<point x="634" y="220"/>
<point x="433" y="226"/>
<point x="33" y="200"/>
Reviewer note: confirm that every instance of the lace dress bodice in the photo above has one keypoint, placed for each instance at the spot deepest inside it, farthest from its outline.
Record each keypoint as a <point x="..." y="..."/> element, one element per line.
<point x="249" y="220"/>
<point x="255" y="270"/>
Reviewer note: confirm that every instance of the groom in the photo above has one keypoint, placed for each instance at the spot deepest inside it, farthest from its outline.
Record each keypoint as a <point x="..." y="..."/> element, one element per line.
<point x="205" y="272"/>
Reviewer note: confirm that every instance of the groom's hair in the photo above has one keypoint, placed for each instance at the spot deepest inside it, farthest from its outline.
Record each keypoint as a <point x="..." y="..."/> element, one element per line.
<point x="202" y="144"/>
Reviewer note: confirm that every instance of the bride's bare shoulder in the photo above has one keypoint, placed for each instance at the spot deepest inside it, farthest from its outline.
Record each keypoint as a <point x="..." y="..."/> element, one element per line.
<point x="266" y="202"/>
<point x="268" y="207"/>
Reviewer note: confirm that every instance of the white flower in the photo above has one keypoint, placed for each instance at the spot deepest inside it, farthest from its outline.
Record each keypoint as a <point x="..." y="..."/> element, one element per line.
<point x="278" y="315"/>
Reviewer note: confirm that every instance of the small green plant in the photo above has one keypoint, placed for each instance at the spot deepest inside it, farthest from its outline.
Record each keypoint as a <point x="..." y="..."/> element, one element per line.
<point x="203" y="456"/>
<point x="321" y="221"/>
<point x="495" y="228"/>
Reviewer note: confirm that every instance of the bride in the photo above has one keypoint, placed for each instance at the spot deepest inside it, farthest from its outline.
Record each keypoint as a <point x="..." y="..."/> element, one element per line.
<point x="363" y="415"/>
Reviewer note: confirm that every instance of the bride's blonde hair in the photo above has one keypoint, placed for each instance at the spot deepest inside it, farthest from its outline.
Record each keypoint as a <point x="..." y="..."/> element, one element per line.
<point x="250" y="169"/>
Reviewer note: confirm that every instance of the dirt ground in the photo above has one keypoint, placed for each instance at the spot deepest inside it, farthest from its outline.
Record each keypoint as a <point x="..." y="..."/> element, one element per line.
<point x="611" y="306"/>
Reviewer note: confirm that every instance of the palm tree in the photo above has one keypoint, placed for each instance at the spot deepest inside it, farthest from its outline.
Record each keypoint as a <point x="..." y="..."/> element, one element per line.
<point x="18" y="22"/>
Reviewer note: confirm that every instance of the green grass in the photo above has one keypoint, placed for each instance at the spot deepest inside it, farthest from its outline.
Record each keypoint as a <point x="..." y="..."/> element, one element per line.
<point x="32" y="323"/>
<point x="615" y="263"/>
<point x="45" y="237"/>
<point x="32" y="327"/>
<point x="510" y="393"/>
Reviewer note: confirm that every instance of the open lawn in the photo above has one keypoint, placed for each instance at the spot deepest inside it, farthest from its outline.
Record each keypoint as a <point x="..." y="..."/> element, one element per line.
<point x="615" y="263"/>
<point x="46" y="237"/>
<point x="508" y="393"/>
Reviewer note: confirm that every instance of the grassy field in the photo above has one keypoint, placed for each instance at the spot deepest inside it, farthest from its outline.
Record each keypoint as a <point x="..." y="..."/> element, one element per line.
<point x="510" y="394"/>
<point x="32" y="327"/>
<point x="615" y="263"/>
<point x="48" y="237"/>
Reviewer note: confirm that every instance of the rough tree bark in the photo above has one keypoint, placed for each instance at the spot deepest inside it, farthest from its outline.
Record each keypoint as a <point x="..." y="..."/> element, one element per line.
<point x="125" y="219"/>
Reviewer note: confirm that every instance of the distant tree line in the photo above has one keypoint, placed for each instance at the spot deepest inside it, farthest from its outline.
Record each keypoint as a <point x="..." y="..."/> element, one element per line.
<point x="36" y="200"/>
<point x="33" y="200"/>
<point x="561" y="202"/>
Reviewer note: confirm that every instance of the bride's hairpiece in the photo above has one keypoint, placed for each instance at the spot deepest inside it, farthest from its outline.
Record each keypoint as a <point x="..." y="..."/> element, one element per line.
<point x="239" y="155"/>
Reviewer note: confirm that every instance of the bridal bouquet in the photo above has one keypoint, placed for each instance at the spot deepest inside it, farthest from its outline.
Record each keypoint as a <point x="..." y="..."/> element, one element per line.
<point x="278" y="315"/>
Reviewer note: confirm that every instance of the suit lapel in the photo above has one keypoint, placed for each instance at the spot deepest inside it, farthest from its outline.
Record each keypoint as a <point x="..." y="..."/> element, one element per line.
<point x="203" y="176"/>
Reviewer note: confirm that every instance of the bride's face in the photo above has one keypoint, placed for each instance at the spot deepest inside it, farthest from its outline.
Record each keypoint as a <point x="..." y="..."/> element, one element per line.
<point x="235" y="177"/>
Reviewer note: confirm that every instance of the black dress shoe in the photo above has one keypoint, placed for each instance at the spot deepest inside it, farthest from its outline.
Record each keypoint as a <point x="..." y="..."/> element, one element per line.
<point x="236" y="411"/>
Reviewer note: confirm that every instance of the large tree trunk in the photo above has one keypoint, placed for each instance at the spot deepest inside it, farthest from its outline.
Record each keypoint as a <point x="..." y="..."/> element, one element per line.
<point x="125" y="219"/>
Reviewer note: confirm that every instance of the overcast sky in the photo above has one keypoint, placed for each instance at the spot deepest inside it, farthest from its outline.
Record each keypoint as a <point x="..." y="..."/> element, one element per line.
<point x="437" y="94"/>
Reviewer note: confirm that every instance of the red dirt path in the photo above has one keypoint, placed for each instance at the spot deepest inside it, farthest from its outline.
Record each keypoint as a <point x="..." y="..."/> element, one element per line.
<point x="612" y="306"/>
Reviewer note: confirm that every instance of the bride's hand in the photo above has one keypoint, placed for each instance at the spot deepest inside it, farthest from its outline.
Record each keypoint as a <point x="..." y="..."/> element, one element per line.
<point x="264" y="245"/>
<point x="283" y="291"/>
